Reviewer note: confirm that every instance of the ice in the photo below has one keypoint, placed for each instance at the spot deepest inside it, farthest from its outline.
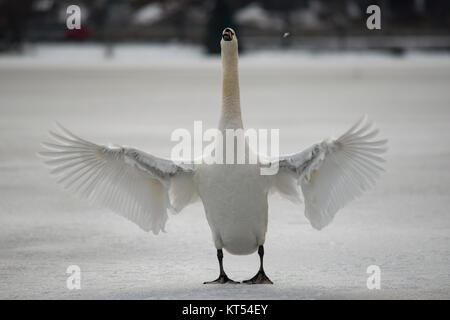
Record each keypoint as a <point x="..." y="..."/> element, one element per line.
<point x="402" y="225"/>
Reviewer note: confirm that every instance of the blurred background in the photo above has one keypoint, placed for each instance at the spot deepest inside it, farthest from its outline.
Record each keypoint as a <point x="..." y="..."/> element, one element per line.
<point x="307" y="24"/>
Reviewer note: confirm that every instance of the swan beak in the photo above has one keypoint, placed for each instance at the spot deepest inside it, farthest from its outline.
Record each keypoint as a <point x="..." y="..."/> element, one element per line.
<point x="227" y="34"/>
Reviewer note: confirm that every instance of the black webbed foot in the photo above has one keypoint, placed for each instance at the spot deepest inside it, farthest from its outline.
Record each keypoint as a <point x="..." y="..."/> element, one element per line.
<point x="259" y="278"/>
<point x="222" y="279"/>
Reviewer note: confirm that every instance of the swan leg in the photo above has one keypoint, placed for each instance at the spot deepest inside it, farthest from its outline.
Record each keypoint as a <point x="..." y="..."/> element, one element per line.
<point x="223" y="278"/>
<point x="260" y="277"/>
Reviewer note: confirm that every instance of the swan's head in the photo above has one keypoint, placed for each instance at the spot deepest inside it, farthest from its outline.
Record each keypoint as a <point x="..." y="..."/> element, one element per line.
<point x="229" y="39"/>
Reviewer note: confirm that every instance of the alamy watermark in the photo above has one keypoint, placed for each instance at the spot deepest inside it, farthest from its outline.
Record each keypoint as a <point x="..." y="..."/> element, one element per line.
<point x="73" y="21"/>
<point x="230" y="146"/>
<point x="374" y="280"/>
<point x="73" y="281"/>
<point x="373" y="22"/>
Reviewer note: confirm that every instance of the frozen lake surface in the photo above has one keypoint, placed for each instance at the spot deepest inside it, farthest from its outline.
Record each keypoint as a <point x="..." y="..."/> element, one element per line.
<point x="403" y="225"/>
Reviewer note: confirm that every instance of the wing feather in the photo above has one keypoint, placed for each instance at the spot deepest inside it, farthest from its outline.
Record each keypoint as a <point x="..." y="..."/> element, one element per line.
<point x="128" y="181"/>
<point x="334" y="172"/>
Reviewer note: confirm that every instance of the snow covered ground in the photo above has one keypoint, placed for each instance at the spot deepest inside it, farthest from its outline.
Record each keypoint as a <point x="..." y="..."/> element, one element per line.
<point x="139" y="97"/>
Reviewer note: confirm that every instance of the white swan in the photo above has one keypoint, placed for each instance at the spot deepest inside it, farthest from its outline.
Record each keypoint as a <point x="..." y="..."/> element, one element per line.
<point x="142" y="187"/>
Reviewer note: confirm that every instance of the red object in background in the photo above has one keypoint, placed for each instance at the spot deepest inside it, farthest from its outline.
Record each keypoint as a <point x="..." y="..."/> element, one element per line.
<point x="3" y="24"/>
<point x="78" y="34"/>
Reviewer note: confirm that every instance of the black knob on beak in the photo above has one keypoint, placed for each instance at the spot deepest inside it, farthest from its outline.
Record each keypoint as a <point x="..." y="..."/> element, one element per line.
<point x="227" y="34"/>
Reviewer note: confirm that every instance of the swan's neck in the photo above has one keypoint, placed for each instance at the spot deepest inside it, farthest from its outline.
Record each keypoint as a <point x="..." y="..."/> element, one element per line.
<point x="231" y="105"/>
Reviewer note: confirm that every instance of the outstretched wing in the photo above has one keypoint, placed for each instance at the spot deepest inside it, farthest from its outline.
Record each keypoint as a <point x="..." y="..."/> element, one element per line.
<point x="334" y="172"/>
<point x="132" y="183"/>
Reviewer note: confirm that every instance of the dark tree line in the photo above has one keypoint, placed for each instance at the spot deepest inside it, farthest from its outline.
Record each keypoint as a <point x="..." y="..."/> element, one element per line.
<point x="109" y="22"/>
